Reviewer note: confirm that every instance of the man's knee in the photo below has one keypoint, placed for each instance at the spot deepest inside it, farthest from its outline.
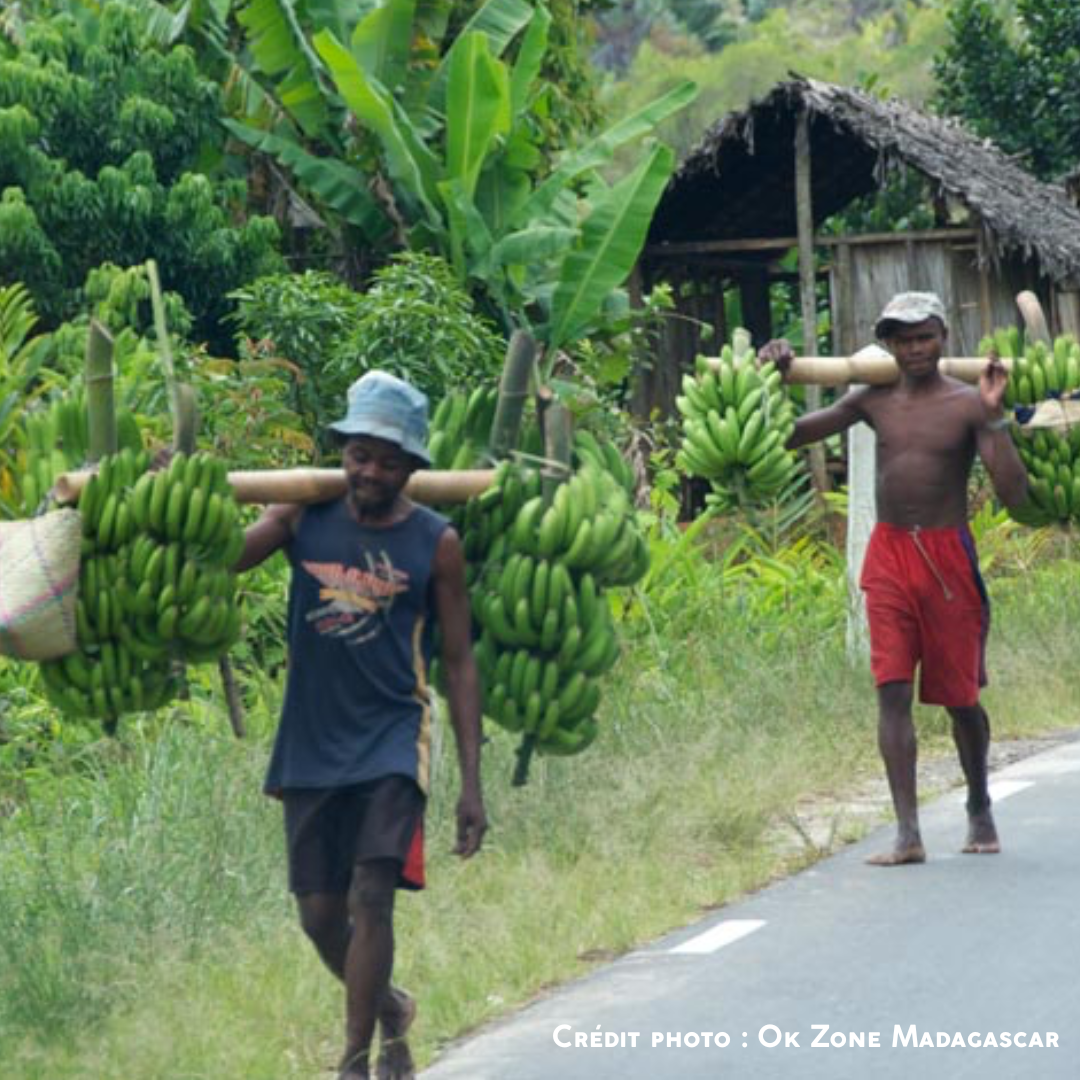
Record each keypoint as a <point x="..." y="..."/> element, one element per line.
<point x="371" y="894"/>
<point x="324" y="919"/>
<point x="973" y="716"/>
<point x="895" y="700"/>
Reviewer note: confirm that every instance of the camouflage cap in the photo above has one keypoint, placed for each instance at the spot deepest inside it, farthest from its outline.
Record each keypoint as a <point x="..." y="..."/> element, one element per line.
<point x="910" y="308"/>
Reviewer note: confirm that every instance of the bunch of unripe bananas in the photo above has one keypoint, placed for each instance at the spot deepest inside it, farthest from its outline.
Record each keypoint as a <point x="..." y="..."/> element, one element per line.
<point x="156" y="585"/>
<point x="1051" y="456"/>
<point x="736" y="420"/>
<point x="1052" y="461"/>
<point x="540" y="547"/>
<point x="57" y="440"/>
<point x="460" y="428"/>
<point x="1039" y="371"/>
<point x="546" y="630"/>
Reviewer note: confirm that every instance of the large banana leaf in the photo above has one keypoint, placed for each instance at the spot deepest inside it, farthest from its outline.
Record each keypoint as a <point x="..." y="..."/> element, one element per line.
<point x="339" y="185"/>
<point x="382" y="43"/>
<point x="412" y="166"/>
<point x="478" y="95"/>
<point x="531" y="247"/>
<point x="499" y="21"/>
<point x="281" y="50"/>
<point x="469" y="237"/>
<point x="600" y="150"/>
<point x="337" y="16"/>
<point x="529" y="60"/>
<point x="611" y="240"/>
<point x="502" y="190"/>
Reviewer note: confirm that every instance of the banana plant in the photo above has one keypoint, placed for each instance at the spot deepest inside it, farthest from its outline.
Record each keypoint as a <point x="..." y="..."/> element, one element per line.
<point x="23" y="379"/>
<point x="548" y="254"/>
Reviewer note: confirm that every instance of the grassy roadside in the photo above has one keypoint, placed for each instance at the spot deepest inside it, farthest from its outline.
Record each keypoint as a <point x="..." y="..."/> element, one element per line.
<point x="144" y="928"/>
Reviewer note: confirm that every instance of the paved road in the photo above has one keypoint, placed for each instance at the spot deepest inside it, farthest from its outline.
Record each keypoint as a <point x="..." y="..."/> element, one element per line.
<point x="899" y="960"/>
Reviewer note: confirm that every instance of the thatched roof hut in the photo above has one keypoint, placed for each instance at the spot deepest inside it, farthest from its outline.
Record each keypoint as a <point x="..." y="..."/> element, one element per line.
<point x="738" y="180"/>
<point x="733" y="207"/>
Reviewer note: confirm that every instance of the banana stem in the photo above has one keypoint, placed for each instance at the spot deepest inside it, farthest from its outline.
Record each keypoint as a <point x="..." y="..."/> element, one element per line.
<point x="524" y="758"/>
<point x="100" y="403"/>
<point x="181" y="396"/>
<point x="513" y="393"/>
<point x="558" y="446"/>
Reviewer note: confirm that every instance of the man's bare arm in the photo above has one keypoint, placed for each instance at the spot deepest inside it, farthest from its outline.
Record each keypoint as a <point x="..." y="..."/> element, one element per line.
<point x="824" y="422"/>
<point x="992" y="438"/>
<point x="273" y="530"/>
<point x="462" y="686"/>
<point x="812" y="427"/>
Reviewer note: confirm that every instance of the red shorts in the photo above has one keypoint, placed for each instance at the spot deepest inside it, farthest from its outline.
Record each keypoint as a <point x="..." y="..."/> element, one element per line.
<point x="926" y="606"/>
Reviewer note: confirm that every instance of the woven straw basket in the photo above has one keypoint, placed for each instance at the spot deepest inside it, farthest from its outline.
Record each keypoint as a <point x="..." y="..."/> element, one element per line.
<point x="39" y="576"/>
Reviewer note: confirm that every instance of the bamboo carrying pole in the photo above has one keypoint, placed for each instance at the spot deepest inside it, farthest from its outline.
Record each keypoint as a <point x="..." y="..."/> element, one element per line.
<point x="872" y="366"/>
<point x="319" y="485"/>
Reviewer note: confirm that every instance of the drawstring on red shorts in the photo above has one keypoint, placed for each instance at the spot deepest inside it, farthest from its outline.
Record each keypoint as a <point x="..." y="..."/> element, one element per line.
<point x="930" y="562"/>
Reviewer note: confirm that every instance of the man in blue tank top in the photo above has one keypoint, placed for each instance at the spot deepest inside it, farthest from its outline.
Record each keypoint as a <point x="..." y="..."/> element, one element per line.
<point x="371" y="574"/>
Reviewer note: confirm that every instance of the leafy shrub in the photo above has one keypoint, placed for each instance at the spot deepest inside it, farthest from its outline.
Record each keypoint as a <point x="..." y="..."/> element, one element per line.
<point x="414" y="321"/>
<point x="417" y="322"/>
<point x="301" y="318"/>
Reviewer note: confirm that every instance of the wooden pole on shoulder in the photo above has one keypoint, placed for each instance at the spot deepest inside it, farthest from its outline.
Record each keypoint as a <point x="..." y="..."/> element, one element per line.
<point x="432" y="487"/>
<point x="872" y="366"/>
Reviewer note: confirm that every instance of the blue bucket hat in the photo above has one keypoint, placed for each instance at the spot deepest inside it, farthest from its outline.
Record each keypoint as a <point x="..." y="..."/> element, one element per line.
<point x="386" y="407"/>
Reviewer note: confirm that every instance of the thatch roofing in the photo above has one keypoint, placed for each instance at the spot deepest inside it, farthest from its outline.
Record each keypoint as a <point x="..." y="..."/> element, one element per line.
<point x="739" y="182"/>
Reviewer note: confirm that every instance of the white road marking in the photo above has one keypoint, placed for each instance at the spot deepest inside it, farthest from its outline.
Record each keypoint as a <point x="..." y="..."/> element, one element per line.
<point x="1002" y="789"/>
<point x="720" y="935"/>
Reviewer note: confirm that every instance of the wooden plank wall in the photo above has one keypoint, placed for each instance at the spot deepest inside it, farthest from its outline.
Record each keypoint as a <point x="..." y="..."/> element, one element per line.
<point x="865" y="276"/>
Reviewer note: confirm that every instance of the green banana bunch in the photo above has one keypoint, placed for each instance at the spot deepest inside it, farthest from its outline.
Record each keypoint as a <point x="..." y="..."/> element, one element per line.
<point x="547" y="636"/>
<point x="1039" y="371"/>
<point x="1052" y="461"/>
<point x="57" y="441"/>
<point x="460" y="428"/>
<point x="537" y="563"/>
<point x="484" y="521"/>
<point x="606" y="457"/>
<point x="156" y="584"/>
<point x="736" y="420"/>
<point x="1052" y="458"/>
<point x="545" y="630"/>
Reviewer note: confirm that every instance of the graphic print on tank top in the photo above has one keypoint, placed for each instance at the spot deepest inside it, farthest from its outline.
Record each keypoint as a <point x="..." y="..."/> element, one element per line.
<point x="355" y="603"/>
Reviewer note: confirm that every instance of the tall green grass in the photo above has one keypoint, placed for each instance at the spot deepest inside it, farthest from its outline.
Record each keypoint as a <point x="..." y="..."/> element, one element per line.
<point x="144" y="927"/>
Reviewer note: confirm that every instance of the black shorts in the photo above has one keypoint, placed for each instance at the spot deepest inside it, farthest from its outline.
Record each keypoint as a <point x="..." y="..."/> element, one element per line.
<point x="329" y="830"/>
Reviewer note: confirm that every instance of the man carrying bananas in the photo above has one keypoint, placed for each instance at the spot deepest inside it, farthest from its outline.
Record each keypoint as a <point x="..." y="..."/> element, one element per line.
<point x="925" y="600"/>
<point x="371" y="573"/>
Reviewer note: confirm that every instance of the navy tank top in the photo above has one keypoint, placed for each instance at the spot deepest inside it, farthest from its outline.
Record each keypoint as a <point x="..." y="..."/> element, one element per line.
<point x="360" y="627"/>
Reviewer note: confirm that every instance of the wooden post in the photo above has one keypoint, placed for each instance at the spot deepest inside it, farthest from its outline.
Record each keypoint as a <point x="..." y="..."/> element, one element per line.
<point x="804" y="214"/>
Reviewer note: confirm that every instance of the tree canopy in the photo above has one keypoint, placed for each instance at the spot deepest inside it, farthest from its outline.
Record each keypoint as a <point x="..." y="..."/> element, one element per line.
<point x="1015" y="78"/>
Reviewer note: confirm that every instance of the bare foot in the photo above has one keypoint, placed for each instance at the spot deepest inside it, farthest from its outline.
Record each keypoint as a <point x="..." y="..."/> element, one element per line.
<point x="395" y="1061"/>
<point x="899" y="856"/>
<point x="982" y="838"/>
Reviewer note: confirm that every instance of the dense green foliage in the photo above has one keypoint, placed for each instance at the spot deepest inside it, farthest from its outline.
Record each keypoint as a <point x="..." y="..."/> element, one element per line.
<point x="100" y="140"/>
<point x="451" y="157"/>
<point x="1014" y="76"/>
<point x="414" y="320"/>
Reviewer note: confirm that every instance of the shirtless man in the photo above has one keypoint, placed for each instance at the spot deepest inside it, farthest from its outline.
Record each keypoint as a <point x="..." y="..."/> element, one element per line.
<point x="925" y="600"/>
